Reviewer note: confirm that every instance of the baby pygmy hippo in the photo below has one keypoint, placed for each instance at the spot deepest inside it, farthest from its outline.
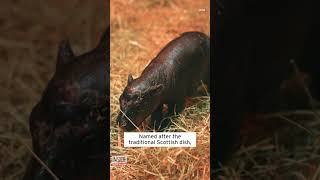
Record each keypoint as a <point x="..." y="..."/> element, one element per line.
<point x="174" y="74"/>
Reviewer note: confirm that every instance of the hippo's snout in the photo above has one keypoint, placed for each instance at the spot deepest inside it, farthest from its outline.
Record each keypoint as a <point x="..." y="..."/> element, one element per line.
<point x="124" y="123"/>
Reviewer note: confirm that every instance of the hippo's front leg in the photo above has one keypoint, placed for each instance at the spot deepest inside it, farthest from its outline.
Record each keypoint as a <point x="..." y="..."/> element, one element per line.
<point x="173" y="109"/>
<point x="156" y="117"/>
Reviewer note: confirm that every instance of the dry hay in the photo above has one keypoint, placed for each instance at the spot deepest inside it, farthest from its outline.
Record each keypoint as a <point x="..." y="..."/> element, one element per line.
<point x="288" y="152"/>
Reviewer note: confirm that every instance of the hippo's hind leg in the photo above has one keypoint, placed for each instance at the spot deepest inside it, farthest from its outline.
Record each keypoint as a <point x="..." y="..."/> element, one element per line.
<point x="201" y="88"/>
<point x="175" y="108"/>
<point x="156" y="117"/>
<point x="180" y="106"/>
<point x="205" y="82"/>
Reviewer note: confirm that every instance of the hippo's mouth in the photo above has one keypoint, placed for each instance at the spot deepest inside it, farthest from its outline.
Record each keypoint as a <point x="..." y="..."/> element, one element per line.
<point x="128" y="123"/>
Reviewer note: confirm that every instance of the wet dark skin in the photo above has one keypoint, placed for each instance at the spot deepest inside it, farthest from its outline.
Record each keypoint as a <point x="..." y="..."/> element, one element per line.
<point x="67" y="124"/>
<point x="174" y="74"/>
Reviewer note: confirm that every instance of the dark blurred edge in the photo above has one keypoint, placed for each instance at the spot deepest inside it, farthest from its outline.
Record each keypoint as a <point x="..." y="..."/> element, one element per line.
<point x="107" y="124"/>
<point x="214" y="34"/>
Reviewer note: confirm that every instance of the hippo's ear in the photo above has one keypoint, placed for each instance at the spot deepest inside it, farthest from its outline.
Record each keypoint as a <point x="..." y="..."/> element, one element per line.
<point x="65" y="53"/>
<point x="153" y="90"/>
<point x="130" y="79"/>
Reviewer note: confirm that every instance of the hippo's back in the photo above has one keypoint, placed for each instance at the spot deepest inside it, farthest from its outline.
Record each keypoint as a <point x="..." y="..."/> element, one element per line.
<point x="182" y="50"/>
<point x="182" y="63"/>
<point x="189" y="49"/>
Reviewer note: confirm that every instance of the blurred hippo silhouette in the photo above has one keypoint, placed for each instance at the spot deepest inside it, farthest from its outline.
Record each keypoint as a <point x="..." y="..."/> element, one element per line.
<point x="67" y="124"/>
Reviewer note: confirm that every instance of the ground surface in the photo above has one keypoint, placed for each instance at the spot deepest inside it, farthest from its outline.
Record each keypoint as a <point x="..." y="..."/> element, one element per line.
<point x="139" y="29"/>
<point x="29" y="35"/>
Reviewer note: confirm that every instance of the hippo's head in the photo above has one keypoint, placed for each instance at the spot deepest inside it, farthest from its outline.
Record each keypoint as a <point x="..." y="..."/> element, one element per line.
<point x="137" y="102"/>
<point x="66" y="125"/>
